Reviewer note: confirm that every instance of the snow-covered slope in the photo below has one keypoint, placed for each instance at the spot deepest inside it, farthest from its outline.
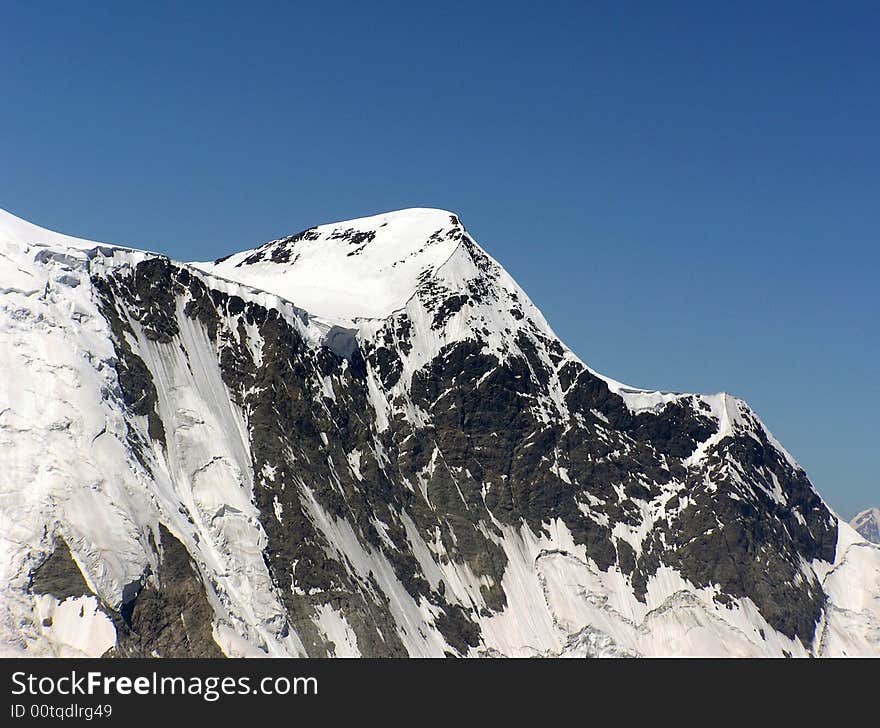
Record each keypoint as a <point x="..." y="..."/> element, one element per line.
<point x="366" y="440"/>
<point x="366" y="268"/>
<point x="867" y="523"/>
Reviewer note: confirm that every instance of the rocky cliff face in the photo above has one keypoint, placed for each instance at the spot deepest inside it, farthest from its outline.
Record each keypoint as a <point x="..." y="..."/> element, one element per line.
<point x="364" y="439"/>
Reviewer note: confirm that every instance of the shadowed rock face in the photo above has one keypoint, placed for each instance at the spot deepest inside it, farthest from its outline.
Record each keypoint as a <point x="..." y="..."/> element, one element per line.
<point x="170" y="616"/>
<point x="59" y="575"/>
<point x="480" y="458"/>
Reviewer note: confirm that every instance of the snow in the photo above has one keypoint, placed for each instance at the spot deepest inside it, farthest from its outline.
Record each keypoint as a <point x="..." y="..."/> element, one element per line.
<point x="852" y="624"/>
<point x="62" y="430"/>
<point x="334" y="628"/>
<point x="208" y="485"/>
<point x="869" y="515"/>
<point x="75" y="627"/>
<point x="69" y="472"/>
<point x="14" y="232"/>
<point x="560" y="604"/>
<point x="343" y="282"/>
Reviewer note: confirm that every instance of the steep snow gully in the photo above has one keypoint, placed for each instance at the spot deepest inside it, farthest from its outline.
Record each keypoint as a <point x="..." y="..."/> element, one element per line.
<point x="364" y="439"/>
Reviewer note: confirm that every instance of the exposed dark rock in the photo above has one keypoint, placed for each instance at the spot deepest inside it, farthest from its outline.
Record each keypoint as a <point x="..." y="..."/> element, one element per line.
<point x="485" y="459"/>
<point x="170" y="616"/>
<point x="135" y="380"/>
<point x="59" y="575"/>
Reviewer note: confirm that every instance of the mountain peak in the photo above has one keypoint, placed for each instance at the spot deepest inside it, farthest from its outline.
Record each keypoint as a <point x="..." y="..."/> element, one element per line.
<point x="450" y="467"/>
<point x="403" y="213"/>
<point x="364" y="268"/>
<point x="867" y="523"/>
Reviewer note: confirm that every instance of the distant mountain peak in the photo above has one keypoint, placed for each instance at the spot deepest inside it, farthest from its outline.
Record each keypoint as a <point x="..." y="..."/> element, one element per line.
<point x="867" y="523"/>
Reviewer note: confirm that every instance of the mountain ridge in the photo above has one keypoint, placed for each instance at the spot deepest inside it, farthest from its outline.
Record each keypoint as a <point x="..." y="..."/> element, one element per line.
<point x="447" y="478"/>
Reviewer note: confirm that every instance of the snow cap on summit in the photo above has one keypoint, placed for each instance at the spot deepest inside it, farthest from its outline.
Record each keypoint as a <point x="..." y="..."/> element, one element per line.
<point x="357" y="269"/>
<point x="16" y="231"/>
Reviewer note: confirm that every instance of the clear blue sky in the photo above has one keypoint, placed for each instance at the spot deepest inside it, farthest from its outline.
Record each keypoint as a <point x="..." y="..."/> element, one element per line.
<point x="691" y="194"/>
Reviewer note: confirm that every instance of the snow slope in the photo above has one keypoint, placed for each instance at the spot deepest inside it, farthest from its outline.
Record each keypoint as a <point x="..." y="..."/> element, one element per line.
<point x="343" y="272"/>
<point x="69" y="471"/>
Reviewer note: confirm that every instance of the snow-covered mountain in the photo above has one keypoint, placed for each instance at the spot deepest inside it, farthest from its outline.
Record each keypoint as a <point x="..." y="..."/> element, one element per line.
<point x="867" y="523"/>
<point x="364" y="439"/>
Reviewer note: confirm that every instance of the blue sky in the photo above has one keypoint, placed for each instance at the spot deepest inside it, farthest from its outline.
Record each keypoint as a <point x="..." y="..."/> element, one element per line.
<point x="690" y="193"/>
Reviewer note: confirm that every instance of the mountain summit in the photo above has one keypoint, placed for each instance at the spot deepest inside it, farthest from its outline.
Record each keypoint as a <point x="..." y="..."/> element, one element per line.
<point x="365" y="268"/>
<point x="364" y="439"/>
